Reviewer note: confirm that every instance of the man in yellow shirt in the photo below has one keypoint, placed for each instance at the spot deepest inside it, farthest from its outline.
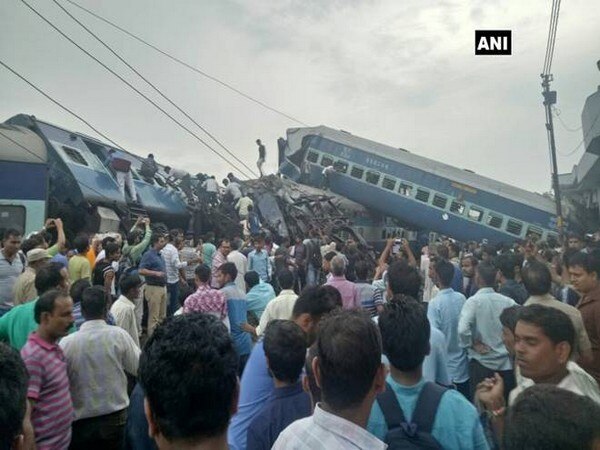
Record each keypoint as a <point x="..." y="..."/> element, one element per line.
<point x="24" y="289"/>
<point x="79" y="265"/>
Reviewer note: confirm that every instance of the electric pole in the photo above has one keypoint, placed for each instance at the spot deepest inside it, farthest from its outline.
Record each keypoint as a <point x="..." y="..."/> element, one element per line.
<point x="549" y="100"/>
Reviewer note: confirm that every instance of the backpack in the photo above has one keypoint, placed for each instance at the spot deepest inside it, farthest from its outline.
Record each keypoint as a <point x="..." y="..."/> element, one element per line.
<point x="126" y="266"/>
<point x="315" y="258"/>
<point x="416" y="434"/>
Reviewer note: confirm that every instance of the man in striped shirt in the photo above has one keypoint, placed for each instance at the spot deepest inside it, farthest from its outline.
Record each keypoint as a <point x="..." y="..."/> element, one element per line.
<point x="48" y="390"/>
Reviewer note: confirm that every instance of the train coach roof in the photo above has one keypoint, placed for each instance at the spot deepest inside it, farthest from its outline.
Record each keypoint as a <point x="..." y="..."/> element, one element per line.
<point x="432" y="166"/>
<point x="18" y="144"/>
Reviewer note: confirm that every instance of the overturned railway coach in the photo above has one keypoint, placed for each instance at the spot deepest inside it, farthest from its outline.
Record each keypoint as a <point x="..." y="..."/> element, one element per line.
<point x="427" y="194"/>
<point x="67" y="171"/>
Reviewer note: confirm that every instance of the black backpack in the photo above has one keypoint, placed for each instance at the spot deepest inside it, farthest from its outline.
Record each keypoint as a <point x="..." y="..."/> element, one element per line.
<point x="416" y="434"/>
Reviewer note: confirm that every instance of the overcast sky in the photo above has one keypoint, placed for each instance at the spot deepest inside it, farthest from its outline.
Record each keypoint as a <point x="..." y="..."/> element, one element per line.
<point x="400" y="73"/>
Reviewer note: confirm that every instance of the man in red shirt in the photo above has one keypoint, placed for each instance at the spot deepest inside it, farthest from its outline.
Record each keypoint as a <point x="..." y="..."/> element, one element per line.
<point x="48" y="390"/>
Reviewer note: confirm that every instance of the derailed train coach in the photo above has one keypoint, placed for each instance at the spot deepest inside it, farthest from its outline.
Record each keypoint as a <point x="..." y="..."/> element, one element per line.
<point x="48" y="171"/>
<point x="428" y="195"/>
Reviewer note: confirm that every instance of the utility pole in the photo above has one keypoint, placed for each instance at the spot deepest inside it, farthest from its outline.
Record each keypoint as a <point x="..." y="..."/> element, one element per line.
<point x="549" y="100"/>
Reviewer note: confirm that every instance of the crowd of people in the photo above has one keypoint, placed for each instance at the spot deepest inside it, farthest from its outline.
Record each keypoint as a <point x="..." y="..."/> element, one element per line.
<point x="158" y="340"/>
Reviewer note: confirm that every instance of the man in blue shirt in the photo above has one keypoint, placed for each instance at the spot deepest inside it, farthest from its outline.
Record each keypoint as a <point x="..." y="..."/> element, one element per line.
<point x="258" y="260"/>
<point x="258" y="293"/>
<point x="405" y="337"/>
<point x="256" y="384"/>
<point x="404" y="281"/>
<point x="444" y="313"/>
<point x="480" y="331"/>
<point x="285" y="350"/>
<point x="236" y="310"/>
<point x="152" y="267"/>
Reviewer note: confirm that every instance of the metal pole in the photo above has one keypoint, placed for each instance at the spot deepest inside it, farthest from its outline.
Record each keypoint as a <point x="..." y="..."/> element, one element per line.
<point x="549" y="100"/>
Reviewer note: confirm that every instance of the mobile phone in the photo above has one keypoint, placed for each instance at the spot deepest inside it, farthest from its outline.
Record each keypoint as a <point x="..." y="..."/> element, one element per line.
<point x="396" y="247"/>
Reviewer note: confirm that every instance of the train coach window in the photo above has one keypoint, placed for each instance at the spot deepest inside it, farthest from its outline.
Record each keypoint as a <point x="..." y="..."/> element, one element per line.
<point x="388" y="183"/>
<point x="75" y="156"/>
<point x="475" y="214"/>
<point x="312" y="157"/>
<point x="341" y="166"/>
<point x="326" y="161"/>
<point x="422" y="195"/>
<point x="534" y="232"/>
<point x="439" y="201"/>
<point x="494" y="220"/>
<point x="12" y="216"/>
<point x="514" y="227"/>
<point x="457" y="208"/>
<point x="373" y="177"/>
<point x="405" y="189"/>
<point x="356" y="172"/>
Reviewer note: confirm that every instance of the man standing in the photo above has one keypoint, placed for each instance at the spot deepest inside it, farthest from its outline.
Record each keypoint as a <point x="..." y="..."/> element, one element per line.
<point x="237" y="309"/>
<point x="149" y="168"/>
<point x="468" y="266"/>
<point x="186" y="409"/>
<point x="257" y="382"/>
<point x="349" y="371"/>
<point x="280" y="307"/>
<point x="538" y="282"/>
<point x="480" y="330"/>
<point x="240" y="261"/>
<point x="48" y="391"/>
<point x="348" y="290"/>
<point x="79" y="264"/>
<point x="122" y="170"/>
<point x="219" y="258"/>
<point x="174" y="267"/>
<point x="152" y="267"/>
<point x="258" y="293"/>
<point x="506" y="264"/>
<point x="208" y="248"/>
<point x="242" y="205"/>
<point x="11" y="264"/>
<point x="584" y="269"/>
<point x="405" y="336"/>
<point x="206" y="300"/>
<point x="17" y="324"/>
<point x="444" y="313"/>
<point x="258" y="260"/>
<point x="24" y="289"/>
<point x="98" y="358"/>
<point x="232" y="190"/>
<point x="253" y="221"/>
<point x="262" y="156"/>
<point x="123" y="310"/>
<point x="212" y="190"/>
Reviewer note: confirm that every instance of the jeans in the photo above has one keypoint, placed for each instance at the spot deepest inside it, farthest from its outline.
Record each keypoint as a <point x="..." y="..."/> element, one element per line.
<point x="173" y="296"/>
<point x="312" y="276"/>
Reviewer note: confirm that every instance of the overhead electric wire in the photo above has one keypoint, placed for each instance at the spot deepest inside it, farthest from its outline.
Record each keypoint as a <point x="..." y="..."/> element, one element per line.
<point x="133" y="88"/>
<point x="557" y="114"/>
<point x="547" y="67"/>
<point x="187" y="65"/>
<point x="60" y="105"/>
<point x="584" y="137"/>
<point x="109" y="48"/>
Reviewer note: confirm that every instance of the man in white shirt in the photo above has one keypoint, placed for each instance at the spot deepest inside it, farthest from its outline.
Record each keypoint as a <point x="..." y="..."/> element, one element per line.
<point x="212" y="188"/>
<point x="232" y="189"/>
<point x="282" y="306"/>
<point x="123" y="309"/>
<point x="99" y="357"/>
<point x="241" y="263"/>
<point x="349" y="371"/>
<point x="174" y="274"/>
<point x="242" y="206"/>
<point x="544" y="339"/>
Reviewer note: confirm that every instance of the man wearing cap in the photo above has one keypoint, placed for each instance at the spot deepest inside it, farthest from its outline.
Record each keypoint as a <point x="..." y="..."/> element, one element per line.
<point x="24" y="289"/>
